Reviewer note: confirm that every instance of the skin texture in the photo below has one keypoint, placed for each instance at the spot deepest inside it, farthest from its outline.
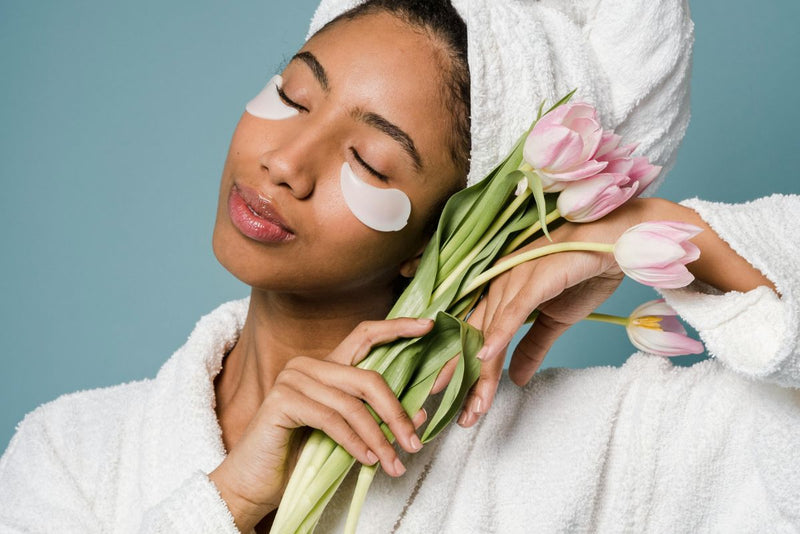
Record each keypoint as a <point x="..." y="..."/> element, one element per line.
<point x="311" y="294"/>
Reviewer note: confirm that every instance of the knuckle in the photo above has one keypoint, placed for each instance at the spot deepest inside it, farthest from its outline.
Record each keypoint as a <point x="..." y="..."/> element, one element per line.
<point x="364" y="329"/>
<point x="355" y="408"/>
<point x="374" y="382"/>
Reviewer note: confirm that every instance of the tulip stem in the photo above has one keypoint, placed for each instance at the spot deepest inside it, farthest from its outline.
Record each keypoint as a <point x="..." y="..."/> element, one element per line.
<point x="529" y="232"/>
<point x="490" y="233"/>
<point x="605" y="318"/>
<point x="513" y="261"/>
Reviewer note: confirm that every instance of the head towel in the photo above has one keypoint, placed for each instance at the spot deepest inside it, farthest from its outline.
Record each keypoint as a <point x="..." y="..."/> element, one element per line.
<point x="631" y="59"/>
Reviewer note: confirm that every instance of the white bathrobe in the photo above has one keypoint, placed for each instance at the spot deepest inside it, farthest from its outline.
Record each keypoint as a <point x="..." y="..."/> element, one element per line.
<point x="647" y="447"/>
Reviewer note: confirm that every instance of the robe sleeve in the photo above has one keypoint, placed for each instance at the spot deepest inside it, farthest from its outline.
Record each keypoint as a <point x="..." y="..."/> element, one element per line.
<point x="196" y="506"/>
<point x="40" y="493"/>
<point x="756" y="333"/>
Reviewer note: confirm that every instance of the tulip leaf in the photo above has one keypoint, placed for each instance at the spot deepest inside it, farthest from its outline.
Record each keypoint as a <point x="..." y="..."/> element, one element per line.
<point x="539" y="113"/>
<point x="535" y="183"/>
<point x="466" y="374"/>
<point x="566" y="98"/>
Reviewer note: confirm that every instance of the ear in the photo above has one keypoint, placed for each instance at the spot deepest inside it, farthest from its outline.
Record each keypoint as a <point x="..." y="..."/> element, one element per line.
<point x="409" y="267"/>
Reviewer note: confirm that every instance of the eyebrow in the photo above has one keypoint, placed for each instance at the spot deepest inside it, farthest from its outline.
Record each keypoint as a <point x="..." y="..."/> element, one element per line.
<point x="368" y="117"/>
<point x="316" y="68"/>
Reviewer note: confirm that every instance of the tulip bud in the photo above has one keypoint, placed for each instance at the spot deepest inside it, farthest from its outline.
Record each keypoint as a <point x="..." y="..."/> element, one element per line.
<point x="655" y="253"/>
<point x="654" y="328"/>
<point x="562" y="144"/>
<point x="590" y="199"/>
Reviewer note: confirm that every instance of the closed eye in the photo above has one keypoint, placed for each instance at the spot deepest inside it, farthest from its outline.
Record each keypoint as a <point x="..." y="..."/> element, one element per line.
<point x="376" y="174"/>
<point x="289" y="102"/>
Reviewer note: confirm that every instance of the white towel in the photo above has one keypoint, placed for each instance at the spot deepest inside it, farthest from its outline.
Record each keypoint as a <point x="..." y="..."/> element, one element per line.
<point x="631" y="60"/>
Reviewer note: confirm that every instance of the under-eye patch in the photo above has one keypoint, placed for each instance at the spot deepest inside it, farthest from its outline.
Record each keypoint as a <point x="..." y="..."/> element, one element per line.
<point x="385" y="210"/>
<point x="268" y="104"/>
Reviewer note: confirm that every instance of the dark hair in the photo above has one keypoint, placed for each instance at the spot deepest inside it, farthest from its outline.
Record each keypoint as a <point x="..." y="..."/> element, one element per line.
<point x="440" y="20"/>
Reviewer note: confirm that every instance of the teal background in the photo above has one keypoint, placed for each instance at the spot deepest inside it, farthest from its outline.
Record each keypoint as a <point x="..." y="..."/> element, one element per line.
<point x="115" y="120"/>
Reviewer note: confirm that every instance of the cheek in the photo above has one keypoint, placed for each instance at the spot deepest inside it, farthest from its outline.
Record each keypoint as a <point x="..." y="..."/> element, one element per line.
<point x="358" y="249"/>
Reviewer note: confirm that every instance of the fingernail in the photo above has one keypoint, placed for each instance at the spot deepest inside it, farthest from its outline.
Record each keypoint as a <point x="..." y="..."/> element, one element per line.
<point x="420" y="418"/>
<point x="416" y="444"/>
<point x="483" y="353"/>
<point x="477" y="404"/>
<point x="372" y="458"/>
<point x="463" y="418"/>
<point x="399" y="467"/>
<point x="424" y="322"/>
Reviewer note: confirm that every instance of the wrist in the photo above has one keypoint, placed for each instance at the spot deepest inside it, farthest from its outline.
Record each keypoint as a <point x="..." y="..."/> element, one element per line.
<point x="246" y="513"/>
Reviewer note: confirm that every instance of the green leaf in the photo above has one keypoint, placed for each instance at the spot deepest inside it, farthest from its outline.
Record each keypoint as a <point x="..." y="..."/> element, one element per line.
<point x="465" y="376"/>
<point x="535" y="183"/>
<point x="566" y="98"/>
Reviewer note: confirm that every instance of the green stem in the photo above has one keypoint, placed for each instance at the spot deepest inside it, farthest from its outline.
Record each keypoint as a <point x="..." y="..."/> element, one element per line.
<point x="365" y="477"/>
<point x="303" y="465"/>
<point x="529" y="232"/>
<point x="490" y="233"/>
<point x="525" y="166"/>
<point x="513" y="261"/>
<point x="605" y="318"/>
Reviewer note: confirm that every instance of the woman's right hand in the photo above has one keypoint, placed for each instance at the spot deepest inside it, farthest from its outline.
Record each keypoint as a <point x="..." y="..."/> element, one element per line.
<point x="327" y="394"/>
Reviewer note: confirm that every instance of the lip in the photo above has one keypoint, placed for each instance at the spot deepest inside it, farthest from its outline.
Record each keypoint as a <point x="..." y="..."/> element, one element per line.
<point x="256" y="216"/>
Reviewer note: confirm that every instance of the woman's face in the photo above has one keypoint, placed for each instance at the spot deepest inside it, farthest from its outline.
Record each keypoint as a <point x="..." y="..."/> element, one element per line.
<point x="369" y="93"/>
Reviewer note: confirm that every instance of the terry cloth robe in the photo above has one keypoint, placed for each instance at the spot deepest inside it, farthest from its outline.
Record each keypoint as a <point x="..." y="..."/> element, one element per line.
<point x="646" y="447"/>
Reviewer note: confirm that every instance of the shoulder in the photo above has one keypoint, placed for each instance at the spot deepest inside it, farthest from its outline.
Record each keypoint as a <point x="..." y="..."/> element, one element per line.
<point x="80" y="427"/>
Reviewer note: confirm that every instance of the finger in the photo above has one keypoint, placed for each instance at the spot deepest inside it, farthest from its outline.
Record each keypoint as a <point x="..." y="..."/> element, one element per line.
<point x="297" y="410"/>
<point x="481" y="396"/>
<point x="357" y="345"/>
<point x="353" y="411"/>
<point x="420" y="418"/>
<point x="513" y="314"/>
<point x="533" y="347"/>
<point x="445" y="375"/>
<point x="367" y="385"/>
<point x="493" y="300"/>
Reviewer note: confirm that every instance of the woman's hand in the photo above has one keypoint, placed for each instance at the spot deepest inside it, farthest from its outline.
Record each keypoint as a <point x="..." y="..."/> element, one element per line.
<point x="327" y="394"/>
<point x="565" y="288"/>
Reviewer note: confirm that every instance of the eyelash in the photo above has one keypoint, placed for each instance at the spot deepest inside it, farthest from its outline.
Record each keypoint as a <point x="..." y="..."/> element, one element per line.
<point x="288" y="101"/>
<point x="359" y="159"/>
<point x="376" y="174"/>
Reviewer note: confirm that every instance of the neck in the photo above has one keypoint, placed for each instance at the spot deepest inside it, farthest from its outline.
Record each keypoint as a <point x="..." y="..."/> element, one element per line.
<point x="278" y="328"/>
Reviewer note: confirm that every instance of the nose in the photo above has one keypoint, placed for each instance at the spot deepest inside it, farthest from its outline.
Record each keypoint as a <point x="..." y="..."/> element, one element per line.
<point x="288" y="160"/>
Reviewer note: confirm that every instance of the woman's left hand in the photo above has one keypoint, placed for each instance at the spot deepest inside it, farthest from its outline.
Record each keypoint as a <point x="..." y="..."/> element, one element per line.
<point x="565" y="287"/>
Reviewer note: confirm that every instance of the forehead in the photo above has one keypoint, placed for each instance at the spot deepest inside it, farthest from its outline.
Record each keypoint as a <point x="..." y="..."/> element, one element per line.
<point x="380" y="64"/>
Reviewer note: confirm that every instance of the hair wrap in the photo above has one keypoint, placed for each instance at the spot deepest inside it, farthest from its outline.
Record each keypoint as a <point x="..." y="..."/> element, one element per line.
<point x="631" y="59"/>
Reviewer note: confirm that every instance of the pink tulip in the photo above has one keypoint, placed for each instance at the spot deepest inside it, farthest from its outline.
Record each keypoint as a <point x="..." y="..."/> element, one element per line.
<point x="609" y="149"/>
<point x="619" y="159"/>
<point x="562" y="145"/>
<point x="643" y="172"/>
<point x="653" y="328"/>
<point x="590" y="199"/>
<point x="655" y="253"/>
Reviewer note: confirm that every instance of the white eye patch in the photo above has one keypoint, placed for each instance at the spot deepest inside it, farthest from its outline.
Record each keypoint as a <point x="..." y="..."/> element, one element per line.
<point x="268" y="104"/>
<point x="385" y="210"/>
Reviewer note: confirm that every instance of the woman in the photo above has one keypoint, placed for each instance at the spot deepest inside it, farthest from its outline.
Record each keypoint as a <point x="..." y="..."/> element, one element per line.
<point x="208" y="444"/>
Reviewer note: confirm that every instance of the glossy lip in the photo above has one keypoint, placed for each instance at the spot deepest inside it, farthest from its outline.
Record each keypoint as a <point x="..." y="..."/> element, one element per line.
<point x="256" y="215"/>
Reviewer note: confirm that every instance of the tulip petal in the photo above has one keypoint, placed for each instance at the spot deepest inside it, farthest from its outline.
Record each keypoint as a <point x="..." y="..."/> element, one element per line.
<point x="664" y="343"/>
<point x="654" y="307"/>
<point x="608" y="142"/>
<point x="545" y="146"/>
<point x="581" y="172"/>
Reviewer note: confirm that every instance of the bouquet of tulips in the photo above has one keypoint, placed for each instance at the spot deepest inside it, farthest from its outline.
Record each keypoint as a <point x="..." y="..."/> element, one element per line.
<point x="563" y="167"/>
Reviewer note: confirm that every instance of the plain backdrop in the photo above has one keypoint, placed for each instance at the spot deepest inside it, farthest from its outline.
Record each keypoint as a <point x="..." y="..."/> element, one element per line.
<point x="115" y="120"/>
